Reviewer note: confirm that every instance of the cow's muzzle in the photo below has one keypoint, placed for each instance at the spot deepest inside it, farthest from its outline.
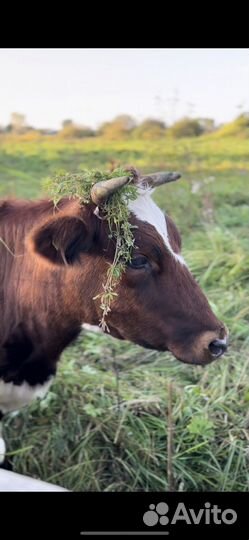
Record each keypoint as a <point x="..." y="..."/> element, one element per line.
<point x="204" y="348"/>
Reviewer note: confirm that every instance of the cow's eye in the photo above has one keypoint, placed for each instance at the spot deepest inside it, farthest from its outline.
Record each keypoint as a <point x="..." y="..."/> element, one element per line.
<point x="139" y="262"/>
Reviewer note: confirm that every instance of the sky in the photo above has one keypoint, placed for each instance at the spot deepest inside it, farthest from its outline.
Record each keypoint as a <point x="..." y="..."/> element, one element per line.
<point x="91" y="86"/>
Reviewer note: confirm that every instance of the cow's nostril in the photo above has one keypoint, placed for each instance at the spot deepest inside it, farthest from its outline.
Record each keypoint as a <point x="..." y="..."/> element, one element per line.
<point x="218" y="347"/>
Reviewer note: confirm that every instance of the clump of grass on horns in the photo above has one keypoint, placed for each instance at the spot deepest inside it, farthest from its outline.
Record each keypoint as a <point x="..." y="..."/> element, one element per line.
<point x="114" y="210"/>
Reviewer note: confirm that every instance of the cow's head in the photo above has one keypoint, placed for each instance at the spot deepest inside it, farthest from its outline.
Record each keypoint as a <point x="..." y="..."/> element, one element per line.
<point x="159" y="304"/>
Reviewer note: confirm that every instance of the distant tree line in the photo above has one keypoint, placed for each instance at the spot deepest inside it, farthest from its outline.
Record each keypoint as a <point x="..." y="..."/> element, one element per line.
<point x="124" y="126"/>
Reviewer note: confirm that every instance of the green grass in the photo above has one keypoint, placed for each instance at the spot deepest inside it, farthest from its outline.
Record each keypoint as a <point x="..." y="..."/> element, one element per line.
<point x="103" y="425"/>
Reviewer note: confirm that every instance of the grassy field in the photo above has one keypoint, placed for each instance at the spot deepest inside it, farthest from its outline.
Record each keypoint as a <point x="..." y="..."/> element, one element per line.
<point x="103" y="425"/>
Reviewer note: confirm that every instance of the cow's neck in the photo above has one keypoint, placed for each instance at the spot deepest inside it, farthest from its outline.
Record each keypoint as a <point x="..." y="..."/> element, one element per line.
<point x="31" y="301"/>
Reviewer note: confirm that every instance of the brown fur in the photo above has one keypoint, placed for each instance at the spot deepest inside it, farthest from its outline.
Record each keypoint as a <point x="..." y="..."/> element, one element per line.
<point x="53" y="262"/>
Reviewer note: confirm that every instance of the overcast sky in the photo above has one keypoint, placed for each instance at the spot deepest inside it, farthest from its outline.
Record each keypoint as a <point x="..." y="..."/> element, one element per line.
<point x="90" y="86"/>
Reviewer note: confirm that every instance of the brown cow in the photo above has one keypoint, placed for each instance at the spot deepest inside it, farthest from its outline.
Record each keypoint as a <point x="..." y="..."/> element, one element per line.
<point x="53" y="262"/>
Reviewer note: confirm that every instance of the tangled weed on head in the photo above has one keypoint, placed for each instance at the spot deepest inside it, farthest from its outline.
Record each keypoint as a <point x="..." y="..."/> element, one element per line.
<point x="114" y="210"/>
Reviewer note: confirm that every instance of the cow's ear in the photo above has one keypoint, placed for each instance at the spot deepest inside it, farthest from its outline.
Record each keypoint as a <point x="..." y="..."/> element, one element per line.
<point x="62" y="239"/>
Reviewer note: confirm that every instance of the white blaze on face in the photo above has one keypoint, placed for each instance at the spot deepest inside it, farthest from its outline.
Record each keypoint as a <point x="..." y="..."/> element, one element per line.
<point x="146" y="209"/>
<point x="13" y="396"/>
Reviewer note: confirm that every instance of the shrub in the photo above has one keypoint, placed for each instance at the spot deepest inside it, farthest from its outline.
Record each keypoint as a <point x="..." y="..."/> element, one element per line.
<point x="150" y="129"/>
<point x="239" y="127"/>
<point x="72" y="131"/>
<point x="121" y="126"/>
<point x="186" y="127"/>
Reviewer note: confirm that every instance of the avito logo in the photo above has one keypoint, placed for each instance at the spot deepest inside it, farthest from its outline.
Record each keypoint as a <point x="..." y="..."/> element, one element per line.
<point x="210" y="514"/>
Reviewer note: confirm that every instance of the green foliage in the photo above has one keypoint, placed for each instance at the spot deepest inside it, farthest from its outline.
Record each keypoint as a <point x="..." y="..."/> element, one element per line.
<point x="23" y="164"/>
<point x="67" y="122"/>
<point x="117" y="214"/>
<point x="124" y="126"/>
<point x="150" y="129"/>
<point x="120" y="127"/>
<point x="238" y="128"/>
<point x="207" y="125"/>
<point x="103" y="425"/>
<point x="201" y="426"/>
<point x="186" y="127"/>
<point x="100" y="433"/>
<point x="72" y="131"/>
<point x="114" y="210"/>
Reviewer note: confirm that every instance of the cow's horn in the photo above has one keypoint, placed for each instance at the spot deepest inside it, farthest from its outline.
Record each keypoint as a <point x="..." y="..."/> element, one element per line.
<point x="102" y="190"/>
<point x="159" y="178"/>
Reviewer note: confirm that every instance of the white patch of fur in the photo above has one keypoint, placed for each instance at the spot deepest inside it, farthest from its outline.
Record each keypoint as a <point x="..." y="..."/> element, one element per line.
<point x="146" y="209"/>
<point x="92" y="328"/>
<point x="13" y="396"/>
<point x="2" y="450"/>
<point x="2" y="446"/>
